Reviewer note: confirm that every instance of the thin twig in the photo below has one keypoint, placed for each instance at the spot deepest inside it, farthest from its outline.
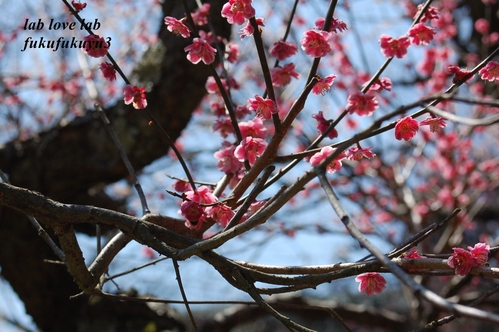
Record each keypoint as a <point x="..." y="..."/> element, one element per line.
<point x="124" y="157"/>
<point x="184" y="297"/>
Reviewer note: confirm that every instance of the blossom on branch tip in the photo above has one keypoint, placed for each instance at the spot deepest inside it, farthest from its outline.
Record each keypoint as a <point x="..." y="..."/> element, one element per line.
<point x="406" y="128"/>
<point x="263" y="107"/>
<point x="315" y="43"/>
<point x="135" y="95"/>
<point x="200" y="50"/>
<point x="462" y="261"/>
<point x="490" y="72"/>
<point x="437" y="124"/>
<point x="371" y="283"/>
<point x="236" y="11"/>
<point x="108" y="71"/>
<point x="281" y="76"/>
<point x="250" y="149"/>
<point x="283" y="50"/>
<point x="95" y="46"/>
<point x="391" y="47"/>
<point x="421" y="34"/>
<point x="323" y="85"/>
<point x="362" y="104"/>
<point x="177" y="27"/>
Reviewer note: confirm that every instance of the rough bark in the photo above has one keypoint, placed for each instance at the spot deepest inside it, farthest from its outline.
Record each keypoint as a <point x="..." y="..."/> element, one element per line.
<point x="64" y="163"/>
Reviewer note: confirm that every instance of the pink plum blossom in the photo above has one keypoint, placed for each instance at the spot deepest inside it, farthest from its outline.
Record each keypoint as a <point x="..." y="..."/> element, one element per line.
<point x="231" y="52"/>
<point x="357" y="153"/>
<point x="480" y="253"/>
<point x="459" y="73"/>
<point x="336" y="26"/>
<point x="323" y="124"/>
<point x="490" y="72"/>
<point x="236" y="11"/>
<point x="421" y="34"/>
<point x="248" y="30"/>
<point x="191" y="210"/>
<point x="381" y="84"/>
<point x="431" y="13"/>
<point x="315" y="43"/>
<point x="227" y="161"/>
<point x="391" y="47"/>
<point x="263" y="107"/>
<point x="462" y="261"/>
<point x="202" y="195"/>
<point x="177" y="27"/>
<point x="371" y="283"/>
<point x="406" y="128"/>
<point x="95" y="46"/>
<point x="437" y="124"/>
<point x="281" y="76"/>
<point x="135" y="95"/>
<point x="222" y="214"/>
<point x="362" y="104"/>
<point x="250" y="149"/>
<point x="253" y="128"/>
<point x="200" y="50"/>
<point x="108" y="71"/>
<point x="323" y="85"/>
<point x="333" y="166"/>
<point x="78" y="6"/>
<point x="201" y="14"/>
<point x="283" y="50"/>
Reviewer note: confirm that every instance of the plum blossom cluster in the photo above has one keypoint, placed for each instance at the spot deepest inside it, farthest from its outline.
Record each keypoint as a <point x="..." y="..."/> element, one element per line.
<point x="419" y="34"/>
<point x="463" y="260"/>
<point x="196" y="212"/>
